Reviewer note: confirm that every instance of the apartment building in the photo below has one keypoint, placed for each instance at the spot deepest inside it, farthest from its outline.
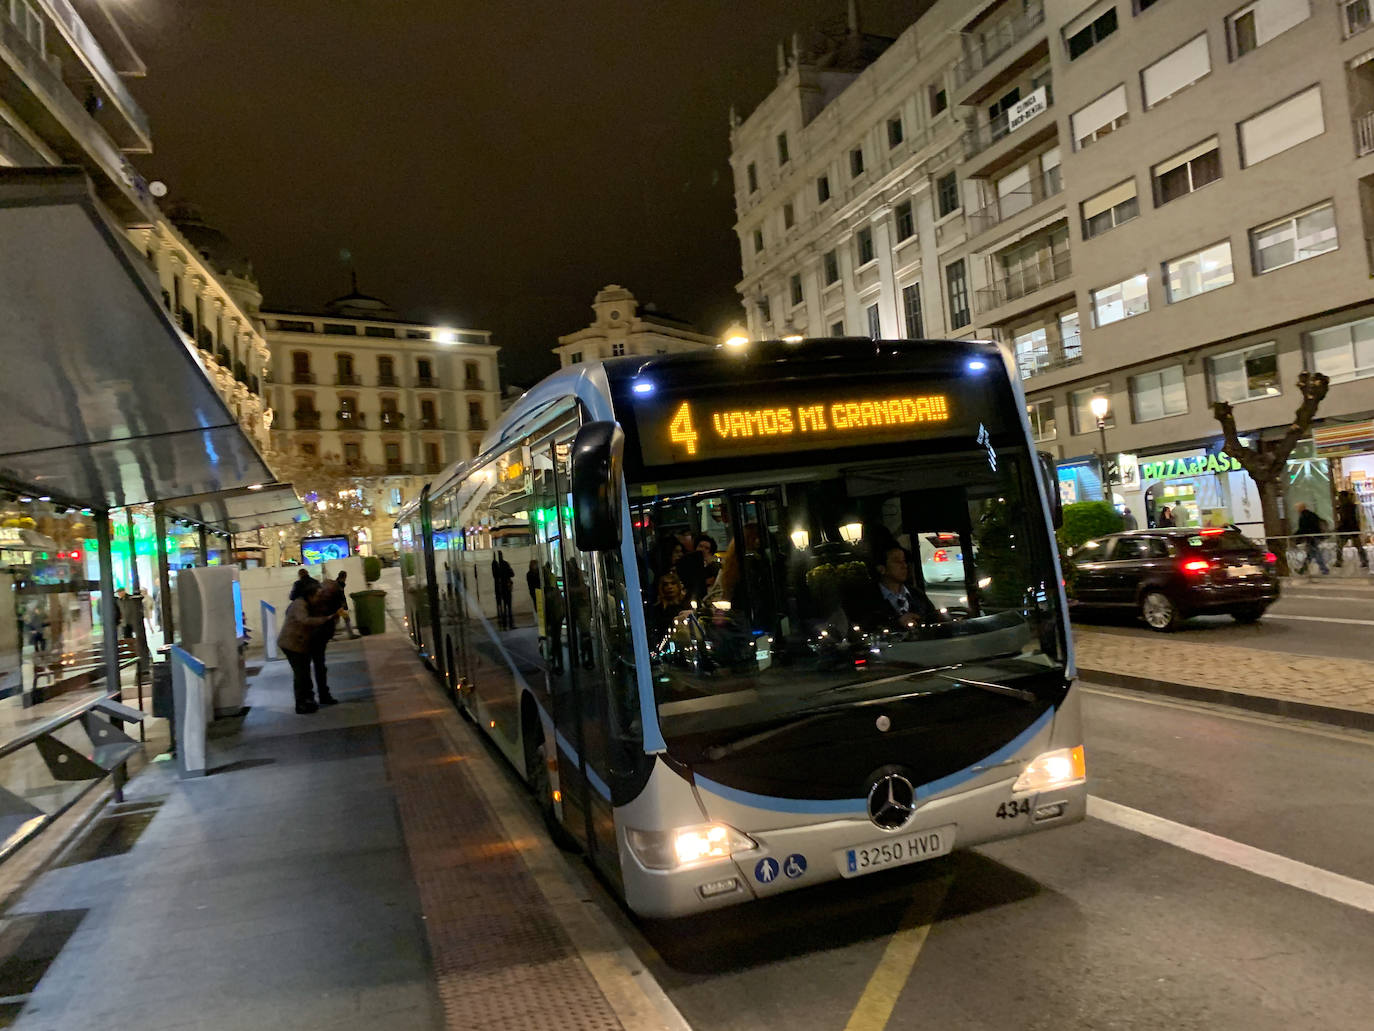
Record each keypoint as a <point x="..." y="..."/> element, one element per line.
<point x="361" y="388"/>
<point x="1164" y="203"/>
<point x="622" y="326"/>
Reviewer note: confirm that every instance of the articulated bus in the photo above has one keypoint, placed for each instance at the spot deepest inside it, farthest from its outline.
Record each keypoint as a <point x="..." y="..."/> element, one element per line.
<point x="782" y="614"/>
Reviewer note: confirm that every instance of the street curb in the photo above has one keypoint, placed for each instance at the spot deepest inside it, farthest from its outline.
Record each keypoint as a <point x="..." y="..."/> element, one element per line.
<point x="1351" y="719"/>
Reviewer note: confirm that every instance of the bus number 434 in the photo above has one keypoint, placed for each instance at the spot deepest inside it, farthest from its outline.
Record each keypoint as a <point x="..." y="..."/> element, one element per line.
<point x="1011" y="810"/>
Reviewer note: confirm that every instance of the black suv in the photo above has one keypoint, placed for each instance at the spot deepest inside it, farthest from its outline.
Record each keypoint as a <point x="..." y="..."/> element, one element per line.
<point x="1169" y="574"/>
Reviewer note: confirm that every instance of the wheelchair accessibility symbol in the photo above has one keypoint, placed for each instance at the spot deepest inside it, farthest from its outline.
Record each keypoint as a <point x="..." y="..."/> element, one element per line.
<point x="766" y="871"/>
<point x="794" y="865"/>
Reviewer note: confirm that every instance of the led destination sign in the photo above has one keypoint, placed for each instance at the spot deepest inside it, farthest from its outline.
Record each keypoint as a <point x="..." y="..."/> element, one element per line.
<point x="681" y="429"/>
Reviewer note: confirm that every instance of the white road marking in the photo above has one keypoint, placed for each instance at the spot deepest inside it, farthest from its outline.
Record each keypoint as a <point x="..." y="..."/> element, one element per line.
<point x="1358" y="737"/>
<point x="1321" y="619"/>
<point x="1320" y="596"/>
<point x="1315" y="880"/>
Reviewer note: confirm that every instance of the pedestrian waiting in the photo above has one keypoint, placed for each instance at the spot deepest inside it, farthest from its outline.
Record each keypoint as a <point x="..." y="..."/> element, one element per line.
<point x="1309" y="529"/>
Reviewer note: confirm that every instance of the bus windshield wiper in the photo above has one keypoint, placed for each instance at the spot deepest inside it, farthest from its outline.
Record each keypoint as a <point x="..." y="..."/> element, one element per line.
<point x="909" y="675"/>
<point x="997" y="689"/>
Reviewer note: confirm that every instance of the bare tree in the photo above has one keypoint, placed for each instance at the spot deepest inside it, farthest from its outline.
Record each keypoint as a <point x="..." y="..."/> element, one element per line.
<point x="1267" y="460"/>
<point x="344" y="500"/>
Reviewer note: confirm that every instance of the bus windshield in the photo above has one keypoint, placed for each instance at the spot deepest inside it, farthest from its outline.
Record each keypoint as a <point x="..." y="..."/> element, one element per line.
<point x="802" y="588"/>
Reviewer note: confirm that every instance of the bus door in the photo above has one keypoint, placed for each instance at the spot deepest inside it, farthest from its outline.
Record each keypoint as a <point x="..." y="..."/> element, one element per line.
<point x="592" y="672"/>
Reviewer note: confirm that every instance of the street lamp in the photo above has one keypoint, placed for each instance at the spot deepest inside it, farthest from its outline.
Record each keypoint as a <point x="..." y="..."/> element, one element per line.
<point x="1100" y="406"/>
<point x="735" y="336"/>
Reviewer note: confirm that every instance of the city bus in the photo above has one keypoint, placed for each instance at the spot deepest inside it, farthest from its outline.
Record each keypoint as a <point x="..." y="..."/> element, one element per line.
<point x="787" y="613"/>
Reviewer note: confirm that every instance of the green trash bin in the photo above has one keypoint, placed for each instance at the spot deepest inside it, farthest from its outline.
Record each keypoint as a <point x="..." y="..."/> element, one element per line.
<point x="369" y="611"/>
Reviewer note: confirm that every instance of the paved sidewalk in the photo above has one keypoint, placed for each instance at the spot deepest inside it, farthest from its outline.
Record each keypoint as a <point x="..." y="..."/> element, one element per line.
<point x="341" y="870"/>
<point x="1339" y="691"/>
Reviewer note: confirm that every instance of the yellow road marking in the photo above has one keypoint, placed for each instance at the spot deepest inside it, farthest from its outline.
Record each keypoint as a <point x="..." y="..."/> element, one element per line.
<point x="880" y="994"/>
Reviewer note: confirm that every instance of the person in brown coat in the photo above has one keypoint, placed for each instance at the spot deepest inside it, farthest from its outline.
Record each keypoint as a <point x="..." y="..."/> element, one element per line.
<point x="300" y="628"/>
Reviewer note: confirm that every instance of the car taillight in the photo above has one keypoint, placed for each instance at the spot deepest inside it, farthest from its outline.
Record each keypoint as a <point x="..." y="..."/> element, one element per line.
<point x="1271" y="558"/>
<point x="1197" y="565"/>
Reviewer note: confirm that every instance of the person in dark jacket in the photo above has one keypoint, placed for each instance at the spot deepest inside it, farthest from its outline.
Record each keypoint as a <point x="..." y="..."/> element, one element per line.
<point x="1309" y="528"/>
<point x="503" y="580"/>
<point x="532" y="581"/>
<point x="898" y="604"/>
<point x="302" y="578"/>
<point x="299" y="629"/>
<point x="1348" y="528"/>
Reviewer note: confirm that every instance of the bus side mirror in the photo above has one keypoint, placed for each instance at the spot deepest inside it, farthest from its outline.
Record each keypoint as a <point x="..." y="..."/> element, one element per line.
<point x="597" y="479"/>
<point x="1050" y="478"/>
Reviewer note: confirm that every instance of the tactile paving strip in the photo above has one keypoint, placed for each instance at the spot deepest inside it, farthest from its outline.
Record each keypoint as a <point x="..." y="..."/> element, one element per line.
<point x="501" y="958"/>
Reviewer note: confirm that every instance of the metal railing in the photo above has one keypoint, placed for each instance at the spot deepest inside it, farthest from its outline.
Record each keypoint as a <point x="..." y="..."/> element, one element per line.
<point x="427" y="381"/>
<point x="1364" y="134"/>
<point x="978" y="138"/>
<point x="387" y="381"/>
<point x="1047" y="269"/>
<point x="347" y="379"/>
<point x="982" y="49"/>
<point x="473" y="384"/>
<point x="1042" y="187"/>
<point x="430" y="424"/>
<point x="299" y="376"/>
<point x="350" y="420"/>
<point x="307" y="420"/>
<point x="1057" y="353"/>
<point x="393" y="420"/>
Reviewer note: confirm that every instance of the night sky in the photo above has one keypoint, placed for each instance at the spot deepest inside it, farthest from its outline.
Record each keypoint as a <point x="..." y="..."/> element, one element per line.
<point x="486" y="164"/>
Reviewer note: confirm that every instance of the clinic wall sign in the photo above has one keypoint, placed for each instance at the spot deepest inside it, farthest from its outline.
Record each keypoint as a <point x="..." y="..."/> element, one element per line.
<point x="1197" y="465"/>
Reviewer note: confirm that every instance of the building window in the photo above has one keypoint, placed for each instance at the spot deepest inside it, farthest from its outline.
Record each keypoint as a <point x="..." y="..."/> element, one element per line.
<point x="300" y="367"/>
<point x="939" y="100"/>
<point x="1285" y="125"/>
<point x="476" y="420"/>
<point x="344" y="363"/>
<point x="875" y="325"/>
<point x="1198" y="273"/>
<point x="1158" y="395"/>
<point x="856" y="162"/>
<point x="352" y="453"/>
<point x="894" y="131"/>
<point x="1186" y="172"/>
<point x="340" y="329"/>
<point x="758" y="241"/>
<point x="618" y="349"/>
<point x="911" y="311"/>
<point x="1245" y="375"/>
<point x="379" y="331"/>
<point x="1141" y="6"/>
<point x="1032" y="352"/>
<point x="392" y="451"/>
<point x="947" y="193"/>
<point x="765" y="309"/>
<point x="1121" y="300"/>
<point x="1343" y="352"/>
<point x="1109" y="209"/>
<point x="752" y="173"/>
<point x="865" y="240"/>
<point x="822" y="189"/>
<point x="424" y="370"/>
<point x="783" y="154"/>
<point x="837" y="329"/>
<point x="417" y="334"/>
<point x="1041" y="417"/>
<point x="428" y="420"/>
<point x="795" y="283"/>
<point x="789" y="215"/>
<point x="1294" y="238"/>
<point x="575" y="357"/>
<point x="395" y="497"/>
<point x="1256" y="24"/>
<point x="906" y="221"/>
<point x="831" y="264"/>
<point x="289" y="326"/>
<point x="1070" y="338"/>
<point x="386" y="371"/>
<point x="1175" y="71"/>
<point x="957" y="285"/>
<point x="1080" y="408"/>
<point x="1356" y="15"/>
<point x="1089" y="29"/>
<point x="1101" y="118"/>
<point x="432" y="460"/>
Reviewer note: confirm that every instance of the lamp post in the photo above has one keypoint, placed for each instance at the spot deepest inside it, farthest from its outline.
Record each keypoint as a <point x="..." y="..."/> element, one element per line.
<point x="1100" y="406"/>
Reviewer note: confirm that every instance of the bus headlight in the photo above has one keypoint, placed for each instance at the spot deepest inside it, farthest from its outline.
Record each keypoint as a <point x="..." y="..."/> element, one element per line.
<point x="668" y="850"/>
<point x="1061" y="768"/>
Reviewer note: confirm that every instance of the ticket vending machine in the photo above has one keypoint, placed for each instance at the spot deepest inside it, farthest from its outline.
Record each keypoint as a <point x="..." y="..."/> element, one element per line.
<point x="210" y="627"/>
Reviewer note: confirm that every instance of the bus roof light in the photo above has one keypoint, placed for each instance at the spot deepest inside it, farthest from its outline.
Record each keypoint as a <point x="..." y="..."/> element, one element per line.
<point x="977" y="365"/>
<point x="643" y="387"/>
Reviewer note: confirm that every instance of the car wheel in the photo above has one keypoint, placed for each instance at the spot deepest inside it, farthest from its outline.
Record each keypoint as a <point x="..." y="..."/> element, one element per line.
<point x="1248" y="614"/>
<point x="1159" y="611"/>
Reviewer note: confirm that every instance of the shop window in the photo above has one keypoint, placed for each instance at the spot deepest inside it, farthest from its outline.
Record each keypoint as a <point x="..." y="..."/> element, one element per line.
<point x="1199" y="273"/>
<point x="1159" y="394"/>
<point x="1246" y="374"/>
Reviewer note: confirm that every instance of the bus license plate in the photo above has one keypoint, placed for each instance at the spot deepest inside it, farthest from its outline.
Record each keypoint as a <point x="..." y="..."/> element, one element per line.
<point x="896" y="851"/>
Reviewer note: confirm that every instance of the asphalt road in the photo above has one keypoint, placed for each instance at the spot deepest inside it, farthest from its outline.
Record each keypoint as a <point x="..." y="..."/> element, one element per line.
<point x="1091" y="926"/>
<point x="1333" y="618"/>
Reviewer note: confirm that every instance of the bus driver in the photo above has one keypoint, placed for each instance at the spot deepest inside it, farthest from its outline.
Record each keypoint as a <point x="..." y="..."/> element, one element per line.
<point x="899" y="603"/>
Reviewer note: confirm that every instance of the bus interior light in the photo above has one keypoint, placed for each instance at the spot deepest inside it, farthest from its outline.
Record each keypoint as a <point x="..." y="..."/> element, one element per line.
<point x="667" y="850"/>
<point x="1062" y="768"/>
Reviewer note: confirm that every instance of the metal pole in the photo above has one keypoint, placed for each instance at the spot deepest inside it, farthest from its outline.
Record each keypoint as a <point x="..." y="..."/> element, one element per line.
<point x="134" y="587"/>
<point x="109" y="618"/>
<point x="164" y="576"/>
<point x="1106" y="469"/>
<point x="204" y="547"/>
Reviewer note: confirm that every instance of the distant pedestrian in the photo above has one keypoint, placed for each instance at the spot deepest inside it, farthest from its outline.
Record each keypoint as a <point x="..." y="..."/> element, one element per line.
<point x="1309" y="528"/>
<point x="1166" y="517"/>
<point x="130" y="609"/>
<point x="348" y="623"/>
<point x="1348" y="528"/>
<point x="296" y="640"/>
<point x="1128" y="519"/>
<point x="302" y="578"/>
<point x="503" y="579"/>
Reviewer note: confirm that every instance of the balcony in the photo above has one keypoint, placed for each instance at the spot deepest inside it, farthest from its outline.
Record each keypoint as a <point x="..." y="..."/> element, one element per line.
<point x="1049" y="355"/>
<point x="387" y="380"/>
<point x="979" y="138"/>
<point x="392" y="420"/>
<point x="350" y="419"/>
<point x="347" y="379"/>
<point x="1026" y="280"/>
<point x="430" y="423"/>
<point x="982" y="49"/>
<point x="302" y="376"/>
<point x="473" y="383"/>
<point x="307" y="419"/>
<point x="477" y="422"/>
<point x="431" y="382"/>
<point x="1042" y="187"/>
<point x="1364" y="134"/>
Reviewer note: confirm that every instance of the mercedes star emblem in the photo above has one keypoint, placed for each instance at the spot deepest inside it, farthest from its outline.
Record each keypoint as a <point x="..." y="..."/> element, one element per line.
<point x="891" y="801"/>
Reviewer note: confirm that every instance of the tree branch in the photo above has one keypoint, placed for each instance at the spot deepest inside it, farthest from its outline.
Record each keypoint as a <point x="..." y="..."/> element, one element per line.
<point x="1253" y="462"/>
